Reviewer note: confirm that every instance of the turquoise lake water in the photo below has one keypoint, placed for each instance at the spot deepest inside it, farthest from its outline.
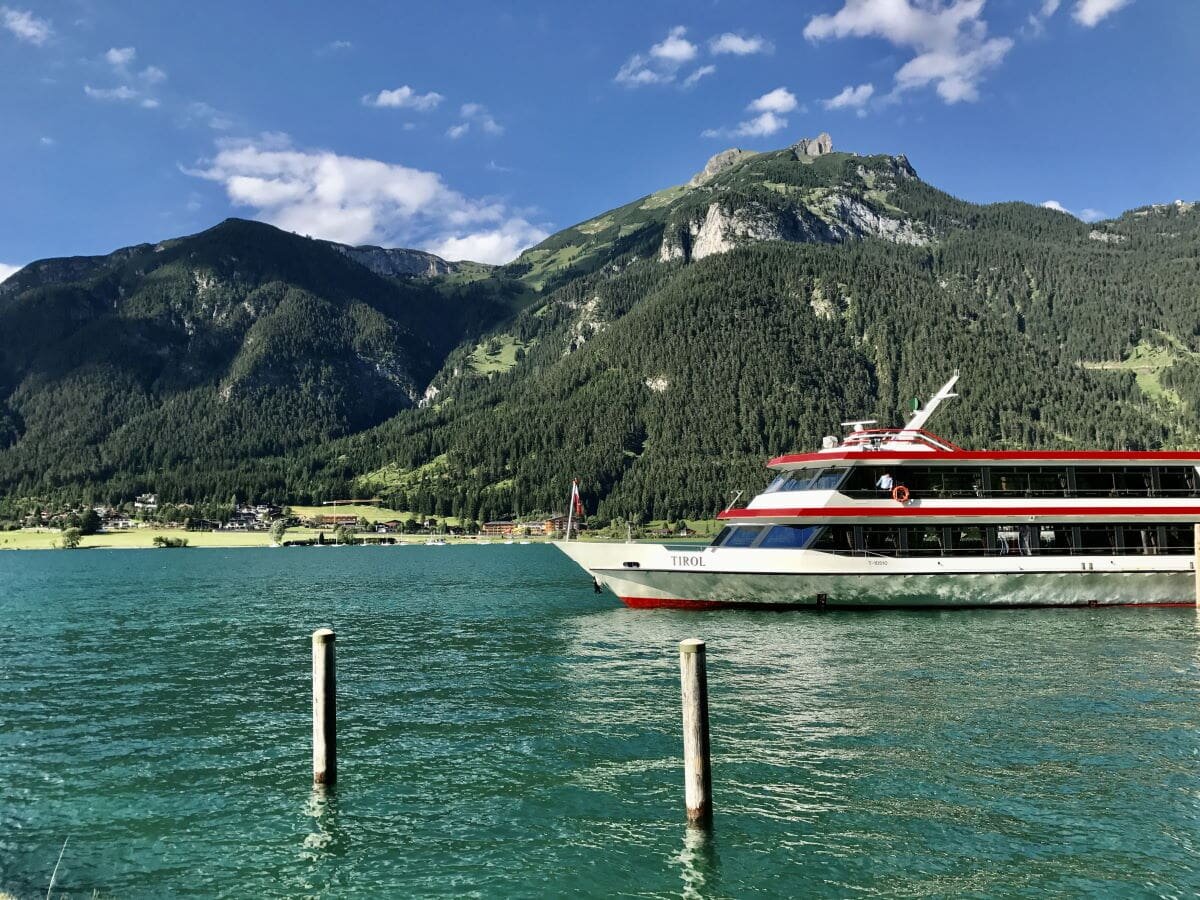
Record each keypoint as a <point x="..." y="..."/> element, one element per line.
<point x="505" y="732"/>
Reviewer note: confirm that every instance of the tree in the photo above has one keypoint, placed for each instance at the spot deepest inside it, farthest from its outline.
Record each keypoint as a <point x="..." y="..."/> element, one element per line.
<point x="71" y="538"/>
<point x="278" y="530"/>
<point x="89" y="522"/>
<point x="343" y="534"/>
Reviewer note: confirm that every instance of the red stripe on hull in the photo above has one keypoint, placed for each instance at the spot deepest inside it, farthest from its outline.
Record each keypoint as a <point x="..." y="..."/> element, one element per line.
<point x="695" y="605"/>
<point x="967" y="512"/>
<point x="875" y="457"/>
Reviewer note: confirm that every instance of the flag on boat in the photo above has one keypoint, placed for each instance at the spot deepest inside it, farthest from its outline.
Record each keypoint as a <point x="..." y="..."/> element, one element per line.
<point x="575" y="501"/>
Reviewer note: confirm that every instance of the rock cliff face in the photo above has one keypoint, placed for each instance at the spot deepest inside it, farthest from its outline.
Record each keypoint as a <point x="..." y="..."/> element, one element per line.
<point x="818" y="146"/>
<point x="726" y="159"/>
<point x="767" y="197"/>
<point x="397" y="263"/>
<point x="840" y="218"/>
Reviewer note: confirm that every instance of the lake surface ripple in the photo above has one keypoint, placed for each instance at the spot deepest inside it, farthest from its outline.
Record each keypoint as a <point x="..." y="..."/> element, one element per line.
<point x="505" y="732"/>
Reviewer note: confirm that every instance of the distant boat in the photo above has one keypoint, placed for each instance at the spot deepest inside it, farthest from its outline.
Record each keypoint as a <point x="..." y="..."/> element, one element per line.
<point x="526" y="542"/>
<point x="435" y="542"/>
<point x="510" y="541"/>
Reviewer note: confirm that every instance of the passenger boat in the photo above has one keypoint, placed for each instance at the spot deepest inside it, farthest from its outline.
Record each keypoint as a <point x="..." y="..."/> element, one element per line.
<point x="901" y="518"/>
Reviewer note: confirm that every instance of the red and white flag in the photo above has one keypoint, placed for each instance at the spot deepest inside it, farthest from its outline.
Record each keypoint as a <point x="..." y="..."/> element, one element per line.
<point x="575" y="501"/>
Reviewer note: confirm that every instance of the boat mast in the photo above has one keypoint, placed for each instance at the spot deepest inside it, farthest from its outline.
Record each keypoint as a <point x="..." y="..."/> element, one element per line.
<point x="921" y="416"/>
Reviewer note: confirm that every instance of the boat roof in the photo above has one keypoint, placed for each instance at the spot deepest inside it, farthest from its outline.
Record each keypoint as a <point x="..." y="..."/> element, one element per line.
<point x="913" y="444"/>
<point x="893" y="453"/>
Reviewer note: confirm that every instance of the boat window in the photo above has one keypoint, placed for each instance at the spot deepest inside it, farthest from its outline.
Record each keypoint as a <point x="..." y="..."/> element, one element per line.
<point x="788" y="536"/>
<point x="924" y="540"/>
<point x="1029" y="481"/>
<point x="881" y="539"/>
<point x="1177" y="538"/>
<point x="1098" y="540"/>
<point x="721" y="535"/>
<point x="967" y="540"/>
<point x="1177" y="481"/>
<point x="742" y="535"/>
<point x="1139" y="540"/>
<point x="834" y="539"/>
<point x="1017" y="540"/>
<point x="1055" y="540"/>
<point x="797" y="480"/>
<point x="940" y="481"/>
<point x="829" y="479"/>
<point x="1112" y="481"/>
<point x="862" y="479"/>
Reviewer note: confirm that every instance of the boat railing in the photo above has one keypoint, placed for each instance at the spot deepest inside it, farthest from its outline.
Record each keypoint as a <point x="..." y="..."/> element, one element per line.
<point x="879" y="438"/>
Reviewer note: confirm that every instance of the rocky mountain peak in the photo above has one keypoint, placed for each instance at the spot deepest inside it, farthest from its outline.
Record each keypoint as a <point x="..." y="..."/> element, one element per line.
<point x="818" y="146"/>
<point x="726" y="159"/>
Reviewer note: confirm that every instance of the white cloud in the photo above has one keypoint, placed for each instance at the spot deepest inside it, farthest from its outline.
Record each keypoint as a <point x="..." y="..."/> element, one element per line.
<point x="495" y="245"/>
<point x="1088" y="215"/>
<point x="152" y="75"/>
<point x="1037" y="20"/>
<point x="47" y="141"/>
<point x="1089" y="13"/>
<point x="661" y="63"/>
<point x="850" y="97"/>
<point x="357" y="200"/>
<point x="7" y="269"/>
<point x="479" y="115"/>
<point x="120" y="57"/>
<point x="404" y="97"/>
<point x="336" y="47"/>
<point x="949" y="37"/>
<point x="209" y="115"/>
<point x="780" y="100"/>
<point x="675" y="48"/>
<point x="701" y="72"/>
<point x="739" y="45"/>
<point x="121" y="93"/>
<point x="26" y="26"/>
<point x="770" y="108"/>
<point x="149" y="103"/>
<point x="761" y="126"/>
<point x="456" y="131"/>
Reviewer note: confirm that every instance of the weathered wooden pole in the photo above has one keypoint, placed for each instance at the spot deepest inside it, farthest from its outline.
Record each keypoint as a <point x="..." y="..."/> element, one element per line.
<point x="1196" y="563"/>
<point x="324" y="697"/>
<point x="697" y="776"/>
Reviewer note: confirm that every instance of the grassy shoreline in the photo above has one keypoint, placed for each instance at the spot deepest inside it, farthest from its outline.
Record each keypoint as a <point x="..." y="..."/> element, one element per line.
<point x="143" y="539"/>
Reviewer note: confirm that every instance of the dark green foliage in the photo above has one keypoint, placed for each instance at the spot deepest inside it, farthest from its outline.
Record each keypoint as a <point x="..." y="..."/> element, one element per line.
<point x="248" y="362"/>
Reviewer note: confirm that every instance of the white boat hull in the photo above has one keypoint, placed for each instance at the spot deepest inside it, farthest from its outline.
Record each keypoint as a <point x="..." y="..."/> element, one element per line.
<point x="649" y="575"/>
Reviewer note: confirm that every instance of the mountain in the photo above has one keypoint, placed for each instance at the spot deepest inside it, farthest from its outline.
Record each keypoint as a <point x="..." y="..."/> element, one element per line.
<point x="658" y="352"/>
<point x="236" y="344"/>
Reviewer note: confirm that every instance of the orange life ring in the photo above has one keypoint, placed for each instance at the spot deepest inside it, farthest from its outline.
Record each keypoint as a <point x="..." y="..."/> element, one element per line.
<point x="900" y="493"/>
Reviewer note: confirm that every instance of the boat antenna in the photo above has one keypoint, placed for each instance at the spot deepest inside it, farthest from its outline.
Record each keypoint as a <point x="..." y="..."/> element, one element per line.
<point x="737" y="495"/>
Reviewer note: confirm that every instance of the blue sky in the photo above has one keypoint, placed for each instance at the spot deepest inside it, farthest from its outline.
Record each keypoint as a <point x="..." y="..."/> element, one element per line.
<point x="474" y="129"/>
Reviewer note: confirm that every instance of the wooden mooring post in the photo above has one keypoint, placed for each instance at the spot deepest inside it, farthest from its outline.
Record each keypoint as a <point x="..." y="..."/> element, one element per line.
<point x="324" y="700"/>
<point x="697" y="775"/>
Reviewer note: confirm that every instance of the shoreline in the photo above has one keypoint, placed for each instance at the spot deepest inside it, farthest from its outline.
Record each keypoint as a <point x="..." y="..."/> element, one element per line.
<point x="143" y="539"/>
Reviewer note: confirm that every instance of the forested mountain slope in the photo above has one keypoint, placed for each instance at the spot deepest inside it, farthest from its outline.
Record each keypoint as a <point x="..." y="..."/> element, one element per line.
<point x="240" y="342"/>
<point x="659" y="352"/>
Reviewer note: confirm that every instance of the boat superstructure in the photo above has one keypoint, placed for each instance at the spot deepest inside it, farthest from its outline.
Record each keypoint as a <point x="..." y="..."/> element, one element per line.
<point x="903" y="518"/>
